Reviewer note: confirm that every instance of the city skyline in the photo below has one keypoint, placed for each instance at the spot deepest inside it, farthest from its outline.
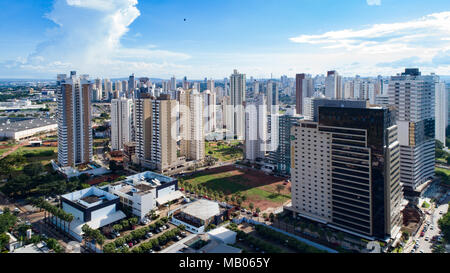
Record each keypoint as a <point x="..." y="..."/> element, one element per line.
<point x="130" y="36"/>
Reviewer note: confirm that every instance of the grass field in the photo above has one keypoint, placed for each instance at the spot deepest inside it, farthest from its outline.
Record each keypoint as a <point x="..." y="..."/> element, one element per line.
<point x="259" y="188"/>
<point x="224" y="151"/>
<point x="447" y="172"/>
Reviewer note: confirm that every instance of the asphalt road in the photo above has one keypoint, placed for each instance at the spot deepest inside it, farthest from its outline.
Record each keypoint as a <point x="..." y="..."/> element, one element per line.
<point x="425" y="246"/>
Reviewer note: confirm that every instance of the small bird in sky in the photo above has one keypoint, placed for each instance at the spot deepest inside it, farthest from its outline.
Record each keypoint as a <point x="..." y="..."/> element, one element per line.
<point x="185" y="19"/>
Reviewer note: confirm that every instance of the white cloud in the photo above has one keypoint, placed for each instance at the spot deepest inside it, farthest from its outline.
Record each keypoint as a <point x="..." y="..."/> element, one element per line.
<point x="374" y="2"/>
<point x="87" y="38"/>
<point x="412" y="42"/>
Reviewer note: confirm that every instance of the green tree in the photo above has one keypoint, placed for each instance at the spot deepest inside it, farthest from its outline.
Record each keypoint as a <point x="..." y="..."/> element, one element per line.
<point x="33" y="169"/>
<point x="279" y="188"/>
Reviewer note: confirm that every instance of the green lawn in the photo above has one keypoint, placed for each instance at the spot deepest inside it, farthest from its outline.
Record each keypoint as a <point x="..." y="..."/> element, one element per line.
<point x="225" y="152"/>
<point x="447" y="172"/>
<point x="231" y="183"/>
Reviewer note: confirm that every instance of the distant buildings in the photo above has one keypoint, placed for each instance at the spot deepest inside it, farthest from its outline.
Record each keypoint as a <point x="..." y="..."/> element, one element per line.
<point x="210" y="111"/>
<point x="22" y="128"/>
<point x="441" y="112"/>
<point x="74" y="120"/>
<point x="304" y="88"/>
<point x="346" y="171"/>
<point x="413" y="96"/>
<point x="333" y="85"/>
<point x="121" y="122"/>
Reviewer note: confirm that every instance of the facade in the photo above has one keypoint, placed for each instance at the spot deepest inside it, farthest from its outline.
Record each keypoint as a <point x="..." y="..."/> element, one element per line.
<point x="304" y="87"/>
<point x="91" y="206"/>
<point x="209" y="99"/>
<point x="281" y="157"/>
<point x="256" y="128"/>
<point x="271" y="97"/>
<point x="155" y="132"/>
<point x="317" y="102"/>
<point x="413" y="96"/>
<point x="382" y="100"/>
<point x="345" y="171"/>
<point x="441" y="112"/>
<point x="74" y="121"/>
<point x="237" y="96"/>
<point x="191" y="125"/>
<point x="333" y="85"/>
<point x="146" y="191"/>
<point x="121" y="122"/>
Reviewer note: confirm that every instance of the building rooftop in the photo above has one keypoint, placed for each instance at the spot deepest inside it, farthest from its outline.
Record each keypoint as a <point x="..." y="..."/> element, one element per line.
<point x="89" y="197"/>
<point x="22" y="124"/>
<point x="202" y="209"/>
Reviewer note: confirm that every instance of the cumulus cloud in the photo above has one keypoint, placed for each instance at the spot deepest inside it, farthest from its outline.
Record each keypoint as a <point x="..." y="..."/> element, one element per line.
<point x="87" y="38"/>
<point x="420" y="42"/>
<point x="373" y="2"/>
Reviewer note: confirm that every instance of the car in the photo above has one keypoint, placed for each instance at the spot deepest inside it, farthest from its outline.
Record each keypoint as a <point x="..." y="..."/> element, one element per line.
<point x="413" y="251"/>
<point x="1" y="212"/>
<point x="148" y="235"/>
<point x="17" y="210"/>
<point x="27" y="223"/>
<point x="255" y="214"/>
<point x="130" y="244"/>
<point x="421" y="251"/>
<point x="151" y="251"/>
<point x="432" y="228"/>
<point x="441" y="212"/>
<point x="167" y="226"/>
<point x="242" y="210"/>
<point x="428" y="222"/>
<point x="183" y="234"/>
<point x="422" y="234"/>
<point x="182" y="189"/>
<point x="125" y="246"/>
<point x="176" y="238"/>
<point x="157" y="248"/>
<point x="427" y="238"/>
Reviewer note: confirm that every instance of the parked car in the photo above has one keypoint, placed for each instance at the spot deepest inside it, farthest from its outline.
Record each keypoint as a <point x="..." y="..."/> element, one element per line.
<point x="151" y="251"/>
<point x="183" y="234"/>
<point x="148" y="235"/>
<point x="422" y="234"/>
<point x="255" y="214"/>
<point x="167" y="226"/>
<point x="130" y="244"/>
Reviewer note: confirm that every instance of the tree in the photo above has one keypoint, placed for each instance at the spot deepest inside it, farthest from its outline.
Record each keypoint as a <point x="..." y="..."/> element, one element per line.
<point x="4" y="240"/>
<point x="251" y="206"/>
<point x="33" y="169"/>
<point x="279" y="188"/>
<point x="258" y="210"/>
<point x="133" y="221"/>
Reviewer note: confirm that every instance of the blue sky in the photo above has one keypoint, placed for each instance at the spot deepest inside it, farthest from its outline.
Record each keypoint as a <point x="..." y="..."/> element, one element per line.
<point x="113" y="38"/>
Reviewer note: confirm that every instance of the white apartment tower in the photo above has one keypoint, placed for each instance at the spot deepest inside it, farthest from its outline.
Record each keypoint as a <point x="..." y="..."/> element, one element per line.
<point x="237" y="92"/>
<point x="441" y="111"/>
<point x="191" y="125"/>
<point x="209" y="99"/>
<point x="333" y="85"/>
<point x="413" y="96"/>
<point x="121" y="122"/>
<point x="256" y="128"/>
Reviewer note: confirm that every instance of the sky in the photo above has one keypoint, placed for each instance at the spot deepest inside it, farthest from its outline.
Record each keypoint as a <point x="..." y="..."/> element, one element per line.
<point x="211" y="38"/>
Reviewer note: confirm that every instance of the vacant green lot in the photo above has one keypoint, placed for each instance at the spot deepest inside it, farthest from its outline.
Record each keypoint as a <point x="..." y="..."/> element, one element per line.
<point x="224" y="151"/>
<point x="447" y="172"/>
<point x="257" y="187"/>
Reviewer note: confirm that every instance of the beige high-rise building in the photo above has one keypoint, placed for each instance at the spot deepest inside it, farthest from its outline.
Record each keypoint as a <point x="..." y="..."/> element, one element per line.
<point x="155" y="121"/>
<point x="237" y="94"/>
<point x="74" y="120"/>
<point x="191" y="125"/>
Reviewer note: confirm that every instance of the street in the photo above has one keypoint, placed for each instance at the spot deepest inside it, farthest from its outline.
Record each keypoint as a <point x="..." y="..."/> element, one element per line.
<point x="425" y="246"/>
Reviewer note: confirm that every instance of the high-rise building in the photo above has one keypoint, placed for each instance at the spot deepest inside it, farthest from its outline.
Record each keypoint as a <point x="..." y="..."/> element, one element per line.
<point x="121" y="122"/>
<point x="191" y="125"/>
<point x="413" y="96"/>
<point x="272" y="97"/>
<point x="156" y="132"/>
<point x="173" y="84"/>
<point x="345" y="171"/>
<point x="237" y="91"/>
<point x="281" y="156"/>
<point x="441" y="112"/>
<point x="125" y="88"/>
<point x="304" y="89"/>
<point x="209" y="100"/>
<point x="333" y="85"/>
<point x="74" y="120"/>
<point x="256" y="128"/>
<point x="131" y="84"/>
<point x="316" y="102"/>
<point x="211" y="86"/>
